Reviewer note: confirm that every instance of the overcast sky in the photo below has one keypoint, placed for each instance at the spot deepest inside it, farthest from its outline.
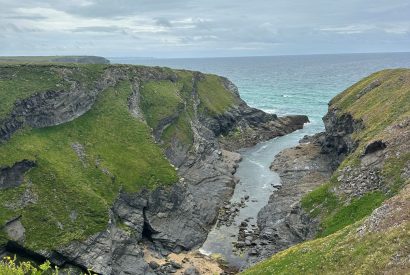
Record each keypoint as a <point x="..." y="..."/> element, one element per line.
<point x="197" y="28"/>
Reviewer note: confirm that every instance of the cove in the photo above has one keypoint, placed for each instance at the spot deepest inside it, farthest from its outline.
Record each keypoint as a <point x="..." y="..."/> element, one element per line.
<point x="256" y="184"/>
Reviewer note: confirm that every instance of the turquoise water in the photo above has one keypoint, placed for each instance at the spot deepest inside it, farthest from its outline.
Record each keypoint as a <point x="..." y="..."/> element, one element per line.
<point x="288" y="84"/>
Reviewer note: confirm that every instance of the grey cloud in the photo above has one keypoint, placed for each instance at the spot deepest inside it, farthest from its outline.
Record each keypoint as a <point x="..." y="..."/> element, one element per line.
<point x="195" y="27"/>
<point x="99" y="29"/>
<point x="120" y="8"/>
<point x="163" y="22"/>
<point x="26" y="17"/>
<point x="13" y="28"/>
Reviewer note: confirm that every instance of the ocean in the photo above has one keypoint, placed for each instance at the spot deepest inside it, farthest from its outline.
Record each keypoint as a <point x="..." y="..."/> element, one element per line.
<point x="288" y="84"/>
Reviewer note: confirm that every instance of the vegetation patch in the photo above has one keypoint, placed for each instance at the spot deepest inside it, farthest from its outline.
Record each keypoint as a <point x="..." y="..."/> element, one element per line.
<point x="9" y="266"/>
<point x="179" y="130"/>
<point x="160" y="100"/>
<point x="380" y="107"/>
<point x="74" y="192"/>
<point x="350" y="213"/>
<point x="321" y="200"/>
<point x="393" y="170"/>
<point x="22" y="81"/>
<point x="215" y="98"/>
<point x="343" y="252"/>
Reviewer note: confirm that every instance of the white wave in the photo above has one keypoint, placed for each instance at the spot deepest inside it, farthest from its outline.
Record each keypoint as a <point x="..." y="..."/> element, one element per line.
<point x="266" y="186"/>
<point x="269" y="111"/>
<point x="204" y="252"/>
<point x="262" y="148"/>
<point x="257" y="163"/>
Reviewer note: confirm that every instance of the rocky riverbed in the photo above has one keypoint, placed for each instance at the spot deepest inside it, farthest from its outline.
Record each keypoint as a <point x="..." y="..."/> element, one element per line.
<point x="236" y="237"/>
<point x="282" y="222"/>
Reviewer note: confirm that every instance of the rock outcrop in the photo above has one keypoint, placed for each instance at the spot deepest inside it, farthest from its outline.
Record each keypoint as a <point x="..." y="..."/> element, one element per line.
<point x="14" y="176"/>
<point x="338" y="140"/>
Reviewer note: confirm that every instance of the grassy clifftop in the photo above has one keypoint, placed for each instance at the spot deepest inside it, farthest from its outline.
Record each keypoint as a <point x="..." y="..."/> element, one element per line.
<point x="82" y="165"/>
<point x="373" y="176"/>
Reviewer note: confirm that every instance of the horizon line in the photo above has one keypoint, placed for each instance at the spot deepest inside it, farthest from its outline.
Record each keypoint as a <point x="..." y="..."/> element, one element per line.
<point x="251" y="56"/>
<point x="206" y="57"/>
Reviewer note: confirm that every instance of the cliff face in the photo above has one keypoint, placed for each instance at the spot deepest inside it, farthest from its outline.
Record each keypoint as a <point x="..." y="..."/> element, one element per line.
<point x="366" y="150"/>
<point x="96" y="158"/>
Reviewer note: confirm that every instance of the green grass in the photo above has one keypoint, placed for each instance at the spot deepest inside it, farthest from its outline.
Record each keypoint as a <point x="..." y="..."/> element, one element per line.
<point x="111" y="136"/>
<point x="350" y="213"/>
<point x="180" y="130"/>
<point x="22" y="81"/>
<point x="163" y="99"/>
<point x="320" y="200"/>
<point x="215" y="99"/>
<point x="382" y="106"/>
<point x="333" y="212"/>
<point x="343" y="252"/>
<point x="9" y="266"/>
<point x="392" y="171"/>
<point x="379" y="247"/>
<point x="159" y="100"/>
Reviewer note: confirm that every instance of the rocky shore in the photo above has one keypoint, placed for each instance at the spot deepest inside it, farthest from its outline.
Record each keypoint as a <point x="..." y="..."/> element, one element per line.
<point x="282" y="223"/>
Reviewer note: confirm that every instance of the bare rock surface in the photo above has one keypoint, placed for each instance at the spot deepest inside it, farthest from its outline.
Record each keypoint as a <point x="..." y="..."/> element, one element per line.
<point x="13" y="176"/>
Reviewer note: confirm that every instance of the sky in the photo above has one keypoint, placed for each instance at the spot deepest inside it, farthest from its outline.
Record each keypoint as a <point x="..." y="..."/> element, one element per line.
<point x="202" y="28"/>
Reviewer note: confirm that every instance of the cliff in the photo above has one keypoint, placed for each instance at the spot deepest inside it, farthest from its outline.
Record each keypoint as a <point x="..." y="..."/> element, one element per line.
<point x="359" y="213"/>
<point x="96" y="159"/>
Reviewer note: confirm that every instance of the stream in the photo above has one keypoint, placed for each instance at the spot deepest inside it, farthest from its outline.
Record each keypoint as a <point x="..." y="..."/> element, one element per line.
<point x="256" y="181"/>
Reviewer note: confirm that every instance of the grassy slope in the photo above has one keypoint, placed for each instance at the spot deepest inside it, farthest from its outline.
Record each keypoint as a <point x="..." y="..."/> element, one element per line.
<point x="64" y="184"/>
<point x="162" y="99"/>
<point x="213" y="95"/>
<point x="343" y="252"/>
<point x="120" y="151"/>
<point x="380" y="108"/>
<point x="338" y="249"/>
<point x="22" y="81"/>
<point x="159" y="100"/>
